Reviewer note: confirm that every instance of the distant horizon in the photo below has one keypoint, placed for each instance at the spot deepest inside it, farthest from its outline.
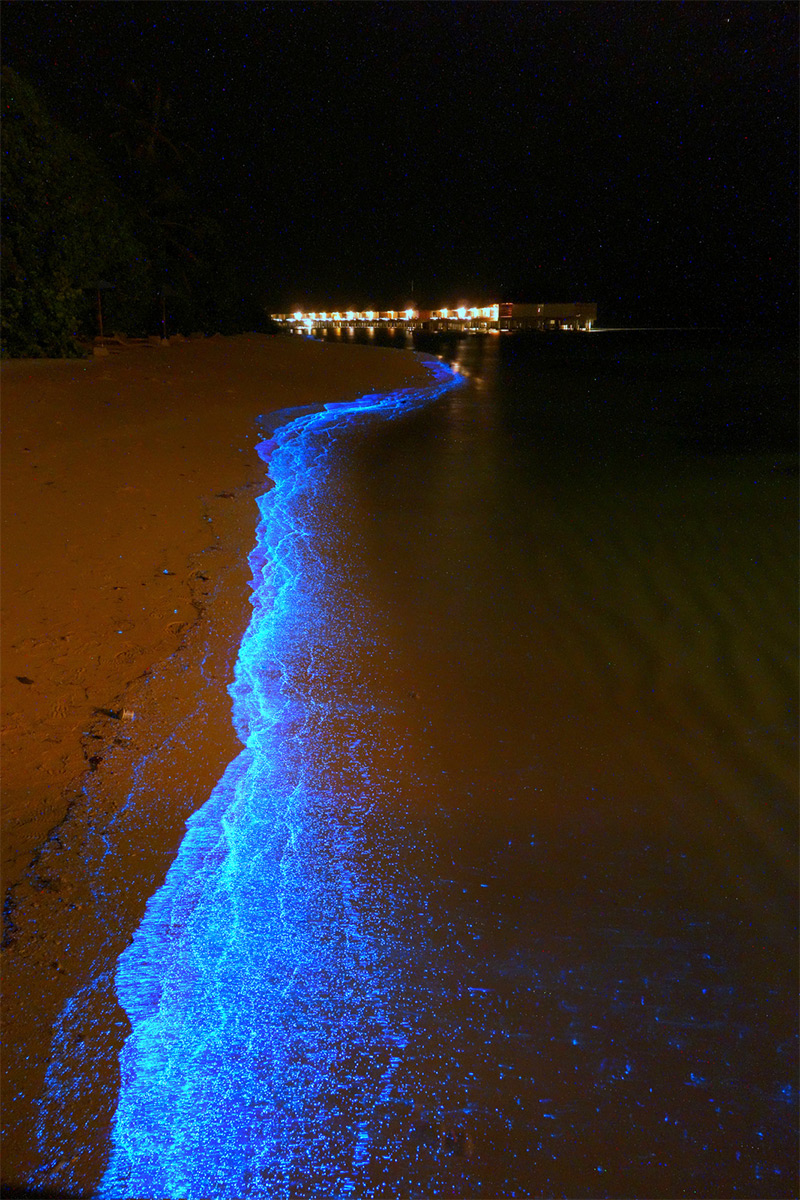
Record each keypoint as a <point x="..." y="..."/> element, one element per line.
<point x="615" y="313"/>
<point x="642" y="156"/>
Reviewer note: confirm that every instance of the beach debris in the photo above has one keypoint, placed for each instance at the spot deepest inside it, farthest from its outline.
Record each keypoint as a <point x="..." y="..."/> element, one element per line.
<point x="425" y="1130"/>
<point x="428" y="1129"/>
<point x="24" y="679"/>
<point x="128" y="715"/>
<point x="449" y="1138"/>
<point x="44" y="883"/>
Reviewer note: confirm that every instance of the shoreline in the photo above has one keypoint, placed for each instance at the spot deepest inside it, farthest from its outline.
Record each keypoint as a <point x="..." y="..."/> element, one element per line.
<point x="95" y="805"/>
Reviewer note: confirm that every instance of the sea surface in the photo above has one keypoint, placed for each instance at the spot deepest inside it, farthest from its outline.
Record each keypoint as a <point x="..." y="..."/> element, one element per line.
<point x="500" y="897"/>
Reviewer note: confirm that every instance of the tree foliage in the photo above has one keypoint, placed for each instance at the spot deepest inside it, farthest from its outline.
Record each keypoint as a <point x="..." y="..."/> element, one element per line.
<point x="65" y="226"/>
<point x="72" y="216"/>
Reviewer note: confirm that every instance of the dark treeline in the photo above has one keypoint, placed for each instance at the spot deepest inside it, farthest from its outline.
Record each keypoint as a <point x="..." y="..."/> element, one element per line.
<point x="119" y="213"/>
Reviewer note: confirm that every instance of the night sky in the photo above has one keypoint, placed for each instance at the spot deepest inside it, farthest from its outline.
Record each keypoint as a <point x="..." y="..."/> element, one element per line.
<point x="642" y="155"/>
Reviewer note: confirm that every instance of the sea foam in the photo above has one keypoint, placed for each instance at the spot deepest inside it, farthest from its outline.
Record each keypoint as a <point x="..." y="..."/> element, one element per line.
<point x="262" y="986"/>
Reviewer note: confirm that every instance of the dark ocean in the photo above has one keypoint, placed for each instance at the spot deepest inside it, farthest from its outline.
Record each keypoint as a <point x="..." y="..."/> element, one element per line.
<point x="584" y="566"/>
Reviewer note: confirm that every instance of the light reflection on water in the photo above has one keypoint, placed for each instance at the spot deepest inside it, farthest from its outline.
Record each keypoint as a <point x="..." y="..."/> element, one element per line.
<point x="529" y="928"/>
<point x="587" y="598"/>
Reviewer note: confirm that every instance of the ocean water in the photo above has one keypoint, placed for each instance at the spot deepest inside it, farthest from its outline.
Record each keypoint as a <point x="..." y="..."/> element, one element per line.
<point x="500" y="897"/>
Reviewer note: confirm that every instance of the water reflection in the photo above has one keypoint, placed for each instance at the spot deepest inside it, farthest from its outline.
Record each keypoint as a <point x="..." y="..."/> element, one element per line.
<point x="606" y="799"/>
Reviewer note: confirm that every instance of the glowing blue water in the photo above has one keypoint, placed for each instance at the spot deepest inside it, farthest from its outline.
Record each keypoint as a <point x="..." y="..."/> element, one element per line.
<point x="263" y="985"/>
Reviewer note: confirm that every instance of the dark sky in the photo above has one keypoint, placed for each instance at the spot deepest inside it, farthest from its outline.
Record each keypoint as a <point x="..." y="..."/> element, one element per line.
<point x="642" y="155"/>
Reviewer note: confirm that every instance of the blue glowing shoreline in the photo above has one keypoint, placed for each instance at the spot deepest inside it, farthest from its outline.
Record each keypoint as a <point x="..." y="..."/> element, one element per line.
<point x="262" y="985"/>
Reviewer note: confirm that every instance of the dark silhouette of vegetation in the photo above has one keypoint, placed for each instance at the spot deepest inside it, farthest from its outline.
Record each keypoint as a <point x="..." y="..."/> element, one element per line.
<point x="155" y="170"/>
<point x="65" y="227"/>
<point x="121" y="217"/>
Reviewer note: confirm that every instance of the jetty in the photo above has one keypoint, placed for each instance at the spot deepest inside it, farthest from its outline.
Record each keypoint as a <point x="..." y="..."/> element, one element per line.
<point x="502" y="318"/>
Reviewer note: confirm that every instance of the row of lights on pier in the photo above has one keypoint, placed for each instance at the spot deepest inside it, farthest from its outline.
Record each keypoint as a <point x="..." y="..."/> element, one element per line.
<point x="462" y="313"/>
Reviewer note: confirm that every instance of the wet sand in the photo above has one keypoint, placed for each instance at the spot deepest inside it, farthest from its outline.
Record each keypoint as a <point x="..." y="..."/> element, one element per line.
<point x="128" y="515"/>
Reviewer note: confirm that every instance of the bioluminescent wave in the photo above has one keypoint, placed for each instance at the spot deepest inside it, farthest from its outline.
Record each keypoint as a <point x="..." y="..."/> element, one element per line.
<point x="264" y="985"/>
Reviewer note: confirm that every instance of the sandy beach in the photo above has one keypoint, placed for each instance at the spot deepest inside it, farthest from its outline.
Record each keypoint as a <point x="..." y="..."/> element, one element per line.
<point x="128" y="514"/>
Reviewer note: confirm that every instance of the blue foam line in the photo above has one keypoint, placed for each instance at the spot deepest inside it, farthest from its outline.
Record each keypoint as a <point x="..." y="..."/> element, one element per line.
<point x="263" y="985"/>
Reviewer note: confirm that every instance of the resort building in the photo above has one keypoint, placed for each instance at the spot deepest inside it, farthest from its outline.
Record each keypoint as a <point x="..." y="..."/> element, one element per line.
<point x="578" y="315"/>
<point x="503" y="317"/>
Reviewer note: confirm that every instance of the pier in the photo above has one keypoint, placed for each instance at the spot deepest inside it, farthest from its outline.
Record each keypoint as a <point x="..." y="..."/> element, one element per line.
<point x="502" y="318"/>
